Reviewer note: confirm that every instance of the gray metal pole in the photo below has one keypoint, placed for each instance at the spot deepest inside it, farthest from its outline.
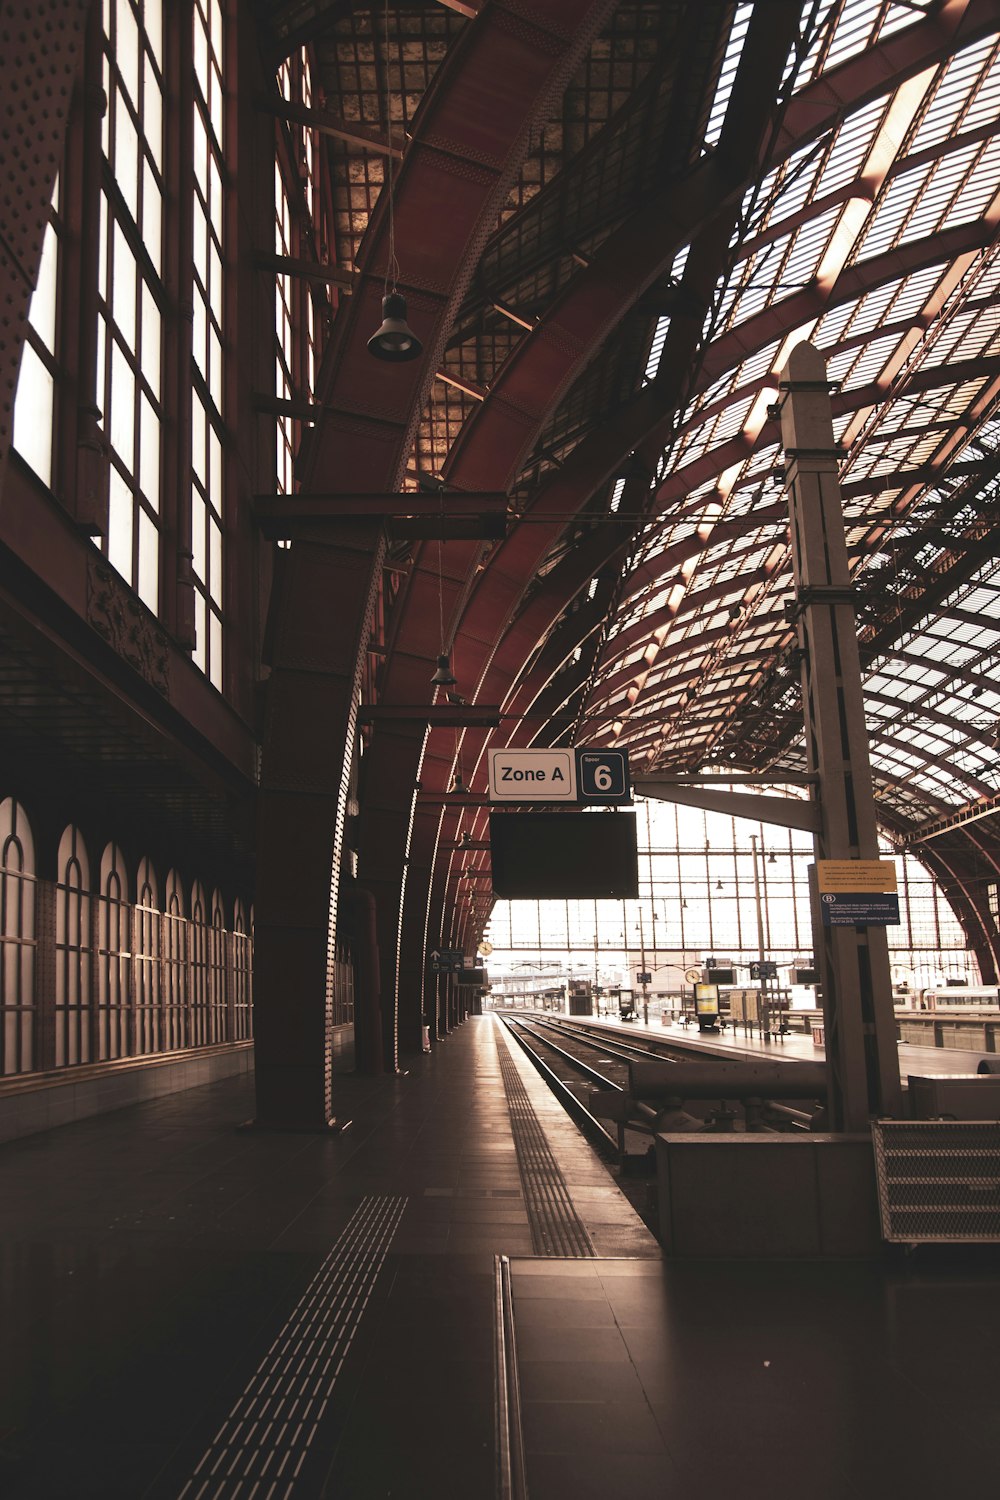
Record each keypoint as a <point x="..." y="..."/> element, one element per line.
<point x="761" y="984"/>
<point x="853" y="961"/>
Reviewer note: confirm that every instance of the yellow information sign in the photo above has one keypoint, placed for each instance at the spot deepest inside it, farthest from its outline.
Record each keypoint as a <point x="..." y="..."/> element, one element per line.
<point x="856" y="875"/>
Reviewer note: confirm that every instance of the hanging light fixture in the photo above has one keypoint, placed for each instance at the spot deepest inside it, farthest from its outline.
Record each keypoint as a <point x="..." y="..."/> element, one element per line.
<point x="718" y="885"/>
<point x="394" y="342"/>
<point x="772" y="858"/>
<point x="444" y="676"/>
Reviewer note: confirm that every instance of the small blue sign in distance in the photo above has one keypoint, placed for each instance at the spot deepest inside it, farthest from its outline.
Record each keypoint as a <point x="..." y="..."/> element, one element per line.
<point x="858" y="909"/>
<point x="602" y="777"/>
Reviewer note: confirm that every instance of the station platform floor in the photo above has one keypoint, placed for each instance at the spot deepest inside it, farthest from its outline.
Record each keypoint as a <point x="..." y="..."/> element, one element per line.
<point x="187" y="1310"/>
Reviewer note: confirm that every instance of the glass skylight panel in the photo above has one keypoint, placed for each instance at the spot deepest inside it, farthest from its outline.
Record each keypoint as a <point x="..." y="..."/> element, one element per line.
<point x="860" y="367"/>
<point x="656" y="348"/>
<point x="976" y="194"/>
<point x="807" y="251"/>
<point x="969" y="334"/>
<point x="727" y="74"/>
<point x="850" y="147"/>
<point x="755" y="287"/>
<point x="757" y="365"/>
<point x="811" y="65"/>
<point x="980" y="600"/>
<point x="731" y="420"/>
<point x="867" y="312"/>
<point x="913" y="292"/>
<point x="948" y="109"/>
<point x="854" y="31"/>
<point x="901" y="16"/>
<point x="953" y="652"/>
<point x="939" y="193"/>
<point x="794" y="182"/>
<point x="892" y="212"/>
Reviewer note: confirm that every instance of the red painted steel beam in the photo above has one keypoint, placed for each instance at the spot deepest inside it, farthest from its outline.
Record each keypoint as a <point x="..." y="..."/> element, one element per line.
<point x="468" y="141"/>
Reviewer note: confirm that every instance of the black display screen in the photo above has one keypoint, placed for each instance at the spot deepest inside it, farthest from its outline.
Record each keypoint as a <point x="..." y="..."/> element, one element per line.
<point x="559" y="856"/>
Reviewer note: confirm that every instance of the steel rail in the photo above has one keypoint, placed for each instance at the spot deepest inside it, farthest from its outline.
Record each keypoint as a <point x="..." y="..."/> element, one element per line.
<point x="589" y="1124"/>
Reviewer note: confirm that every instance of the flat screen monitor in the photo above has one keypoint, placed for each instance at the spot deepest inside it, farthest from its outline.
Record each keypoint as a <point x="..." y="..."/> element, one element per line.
<point x="564" y="856"/>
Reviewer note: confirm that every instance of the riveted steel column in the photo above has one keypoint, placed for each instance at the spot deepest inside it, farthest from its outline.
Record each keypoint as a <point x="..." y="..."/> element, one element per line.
<point x="853" y="961"/>
<point x="326" y="610"/>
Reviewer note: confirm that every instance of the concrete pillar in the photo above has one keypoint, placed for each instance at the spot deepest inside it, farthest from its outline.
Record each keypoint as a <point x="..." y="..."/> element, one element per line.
<point x="853" y="961"/>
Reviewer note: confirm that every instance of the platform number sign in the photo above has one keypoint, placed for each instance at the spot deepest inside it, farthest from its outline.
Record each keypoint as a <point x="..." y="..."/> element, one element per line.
<point x="602" y="776"/>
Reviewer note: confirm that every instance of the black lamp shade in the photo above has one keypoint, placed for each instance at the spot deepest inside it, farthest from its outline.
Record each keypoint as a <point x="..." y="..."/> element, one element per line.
<point x="395" y="341"/>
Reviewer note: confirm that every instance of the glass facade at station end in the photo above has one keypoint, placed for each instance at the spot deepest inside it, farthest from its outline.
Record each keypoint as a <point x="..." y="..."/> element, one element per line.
<point x="698" y="901"/>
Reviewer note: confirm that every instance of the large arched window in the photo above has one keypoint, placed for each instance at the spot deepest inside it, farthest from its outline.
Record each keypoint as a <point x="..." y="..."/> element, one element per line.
<point x="147" y="922"/>
<point x="17" y="940"/>
<point x="217" y="969"/>
<point x="175" y="952"/>
<point x="73" y="952"/>
<point x="242" y="975"/>
<point x="198" y="968"/>
<point x="114" y="956"/>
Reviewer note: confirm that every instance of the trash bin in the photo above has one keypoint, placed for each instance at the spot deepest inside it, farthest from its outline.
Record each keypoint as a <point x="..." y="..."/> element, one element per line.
<point x="817" y="1033"/>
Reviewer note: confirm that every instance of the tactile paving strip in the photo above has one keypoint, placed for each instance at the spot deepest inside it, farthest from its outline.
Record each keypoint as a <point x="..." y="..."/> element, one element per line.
<point x="556" y="1228"/>
<point x="260" y="1448"/>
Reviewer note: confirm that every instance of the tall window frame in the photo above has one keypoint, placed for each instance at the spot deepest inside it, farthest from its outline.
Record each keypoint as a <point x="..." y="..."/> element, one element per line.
<point x="208" y="338"/>
<point x="131" y="294"/>
<point x="18" y="940"/>
<point x="33" y="433"/>
<point x="303" y="231"/>
<point x="74" y="977"/>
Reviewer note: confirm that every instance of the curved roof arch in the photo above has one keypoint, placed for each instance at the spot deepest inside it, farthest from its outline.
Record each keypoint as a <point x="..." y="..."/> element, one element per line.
<point x="608" y="298"/>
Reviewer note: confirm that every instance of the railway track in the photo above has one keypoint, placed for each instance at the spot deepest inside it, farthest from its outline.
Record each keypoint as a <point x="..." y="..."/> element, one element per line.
<point x="576" y="1059"/>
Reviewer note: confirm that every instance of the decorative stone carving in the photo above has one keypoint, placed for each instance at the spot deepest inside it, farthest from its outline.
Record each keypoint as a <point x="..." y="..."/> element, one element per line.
<point x="126" y="624"/>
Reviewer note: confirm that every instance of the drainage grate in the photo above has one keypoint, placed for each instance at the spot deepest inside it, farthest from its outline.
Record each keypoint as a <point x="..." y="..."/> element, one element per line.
<point x="261" y="1446"/>
<point x="556" y="1227"/>
<point x="938" y="1180"/>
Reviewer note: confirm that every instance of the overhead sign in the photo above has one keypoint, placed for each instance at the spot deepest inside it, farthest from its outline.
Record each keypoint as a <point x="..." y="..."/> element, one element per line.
<point x="859" y="909"/>
<point x="644" y="978"/>
<point x="446" y="960"/>
<point x="850" y="875"/>
<point x="532" y="776"/>
<point x="602" y="776"/>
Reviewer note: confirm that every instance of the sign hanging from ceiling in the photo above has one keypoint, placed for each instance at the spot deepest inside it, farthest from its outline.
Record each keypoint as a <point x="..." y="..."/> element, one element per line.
<point x="532" y="776"/>
<point x="595" y="777"/>
<point x="602" y="776"/>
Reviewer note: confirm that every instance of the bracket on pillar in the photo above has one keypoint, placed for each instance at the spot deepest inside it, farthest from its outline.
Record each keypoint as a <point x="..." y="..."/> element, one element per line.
<point x="836" y="452"/>
<point x="818" y="594"/>
<point x="809" y="385"/>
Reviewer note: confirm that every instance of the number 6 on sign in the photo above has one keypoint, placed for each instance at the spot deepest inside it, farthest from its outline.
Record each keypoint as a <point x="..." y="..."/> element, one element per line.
<point x="602" y="776"/>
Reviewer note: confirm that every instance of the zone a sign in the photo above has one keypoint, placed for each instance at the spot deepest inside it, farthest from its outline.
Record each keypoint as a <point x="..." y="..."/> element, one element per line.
<point x="532" y="776"/>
